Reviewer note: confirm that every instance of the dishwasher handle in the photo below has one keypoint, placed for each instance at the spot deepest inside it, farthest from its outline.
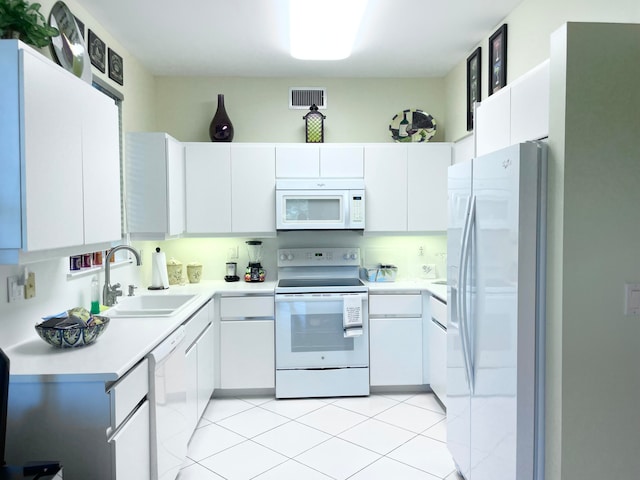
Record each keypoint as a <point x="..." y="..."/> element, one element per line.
<point x="168" y="346"/>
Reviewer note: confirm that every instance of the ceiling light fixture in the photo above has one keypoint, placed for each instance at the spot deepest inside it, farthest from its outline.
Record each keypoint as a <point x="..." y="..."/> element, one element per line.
<point x="310" y="41"/>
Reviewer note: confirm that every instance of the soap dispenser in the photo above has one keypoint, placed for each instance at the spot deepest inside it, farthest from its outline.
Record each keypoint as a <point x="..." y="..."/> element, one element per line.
<point x="95" y="296"/>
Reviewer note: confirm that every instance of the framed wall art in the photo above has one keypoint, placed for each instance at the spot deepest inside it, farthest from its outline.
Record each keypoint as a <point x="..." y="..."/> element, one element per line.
<point x="498" y="59"/>
<point x="474" y="75"/>
<point x="116" y="72"/>
<point x="97" y="51"/>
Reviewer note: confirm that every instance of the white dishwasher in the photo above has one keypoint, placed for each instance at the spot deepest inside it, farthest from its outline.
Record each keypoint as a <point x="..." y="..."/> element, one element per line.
<point x="168" y="399"/>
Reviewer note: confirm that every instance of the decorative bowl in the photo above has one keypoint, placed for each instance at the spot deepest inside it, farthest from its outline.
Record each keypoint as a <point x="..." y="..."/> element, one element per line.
<point x="73" y="335"/>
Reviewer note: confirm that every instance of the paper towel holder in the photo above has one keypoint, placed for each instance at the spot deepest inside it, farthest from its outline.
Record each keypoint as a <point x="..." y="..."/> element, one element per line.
<point x="154" y="266"/>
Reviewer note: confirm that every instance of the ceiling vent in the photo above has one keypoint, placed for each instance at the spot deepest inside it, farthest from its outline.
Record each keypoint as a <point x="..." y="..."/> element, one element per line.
<point x="301" y="98"/>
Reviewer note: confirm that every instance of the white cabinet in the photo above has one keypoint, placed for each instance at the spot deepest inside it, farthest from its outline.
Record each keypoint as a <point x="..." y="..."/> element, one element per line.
<point x="253" y="188"/>
<point x="130" y="446"/>
<point x="395" y="339"/>
<point x="313" y="161"/>
<point x="200" y="366"/>
<point x="206" y="368"/>
<point x="229" y="188"/>
<point x="101" y="169"/>
<point x="247" y="342"/>
<point x="516" y="113"/>
<point x="438" y="347"/>
<point x="427" y="186"/>
<point x="385" y="179"/>
<point x="155" y="175"/>
<point x="51" y="128"/>
<point x="406" y="187"/>
<point x="208" y="193"/>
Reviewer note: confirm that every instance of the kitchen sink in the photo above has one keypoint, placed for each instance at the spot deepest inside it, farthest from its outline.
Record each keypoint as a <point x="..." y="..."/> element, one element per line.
<point x="149" y="306"/>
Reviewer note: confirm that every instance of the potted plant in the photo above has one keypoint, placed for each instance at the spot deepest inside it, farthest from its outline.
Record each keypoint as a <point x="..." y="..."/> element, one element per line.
<point x="22" y="20"/>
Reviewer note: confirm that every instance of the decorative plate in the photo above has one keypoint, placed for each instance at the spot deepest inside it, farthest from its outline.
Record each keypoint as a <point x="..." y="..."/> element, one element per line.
<point x="412" y="126"/>
<point x="68" y="48"/>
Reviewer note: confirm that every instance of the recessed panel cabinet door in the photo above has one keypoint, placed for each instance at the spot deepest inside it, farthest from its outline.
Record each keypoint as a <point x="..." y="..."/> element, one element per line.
<point x="52" y="157"/>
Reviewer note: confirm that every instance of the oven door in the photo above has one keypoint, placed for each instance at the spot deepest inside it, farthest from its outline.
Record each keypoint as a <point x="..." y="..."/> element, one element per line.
<point x="310" y="331"/>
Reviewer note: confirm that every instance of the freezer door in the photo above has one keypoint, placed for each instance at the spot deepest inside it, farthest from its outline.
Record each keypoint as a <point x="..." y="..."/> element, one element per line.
<point x="458" y="387"/>
<point x="505" y="187"/>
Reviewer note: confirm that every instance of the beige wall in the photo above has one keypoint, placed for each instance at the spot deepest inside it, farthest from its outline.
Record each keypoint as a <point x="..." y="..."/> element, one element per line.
<point x="529" y="29"/>
<point x="593" y="372"/>
<point x="358" y="110"/>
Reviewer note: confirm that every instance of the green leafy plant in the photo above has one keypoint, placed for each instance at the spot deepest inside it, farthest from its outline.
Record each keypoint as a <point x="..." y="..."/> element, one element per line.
<point x="23" y="20"/>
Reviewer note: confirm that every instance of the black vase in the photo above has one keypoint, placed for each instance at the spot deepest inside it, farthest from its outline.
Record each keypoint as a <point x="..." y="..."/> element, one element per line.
<point x="221" y="128"/>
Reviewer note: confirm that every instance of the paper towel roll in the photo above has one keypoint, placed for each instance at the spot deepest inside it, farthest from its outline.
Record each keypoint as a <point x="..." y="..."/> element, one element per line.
<point x="159" y="276"/>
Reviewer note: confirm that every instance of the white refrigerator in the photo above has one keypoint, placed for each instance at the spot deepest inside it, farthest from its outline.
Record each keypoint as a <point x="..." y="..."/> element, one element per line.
<point x="495" y="334"/>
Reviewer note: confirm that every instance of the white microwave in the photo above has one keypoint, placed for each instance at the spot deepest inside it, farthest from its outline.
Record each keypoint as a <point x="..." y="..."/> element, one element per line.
<point x="320" y="204"/>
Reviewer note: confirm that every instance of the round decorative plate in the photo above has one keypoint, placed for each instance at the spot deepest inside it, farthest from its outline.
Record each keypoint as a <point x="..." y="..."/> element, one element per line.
<point x="412" y="126"/>
<point x="68" y="48"/>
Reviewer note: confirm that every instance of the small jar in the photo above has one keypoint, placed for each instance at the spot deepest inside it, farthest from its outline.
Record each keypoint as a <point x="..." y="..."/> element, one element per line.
<point x="194" y="272"/>
<point x="174" y="271"/>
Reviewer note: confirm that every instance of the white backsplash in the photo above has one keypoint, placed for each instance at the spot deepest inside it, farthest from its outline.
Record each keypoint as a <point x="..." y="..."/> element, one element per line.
<point x="408" y="253"/>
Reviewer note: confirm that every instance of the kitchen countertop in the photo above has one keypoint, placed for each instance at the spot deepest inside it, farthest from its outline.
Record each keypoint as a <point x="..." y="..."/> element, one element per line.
<point x="129" y="339"/>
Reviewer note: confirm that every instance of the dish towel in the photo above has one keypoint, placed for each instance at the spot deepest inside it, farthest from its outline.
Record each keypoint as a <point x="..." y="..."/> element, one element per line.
<point x="352" y="315"/>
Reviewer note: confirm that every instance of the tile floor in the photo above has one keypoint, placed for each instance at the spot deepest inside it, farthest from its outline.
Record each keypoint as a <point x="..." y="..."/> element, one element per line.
<point x="360" y="438"/>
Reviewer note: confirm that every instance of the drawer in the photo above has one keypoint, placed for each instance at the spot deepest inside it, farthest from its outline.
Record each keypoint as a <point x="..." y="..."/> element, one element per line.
<point x="246" y="307"/>
<point x="127" y="392"/>
<point x="410" y="305"/>
<point x="438" y="310"/>
<point x="196" y="324"/>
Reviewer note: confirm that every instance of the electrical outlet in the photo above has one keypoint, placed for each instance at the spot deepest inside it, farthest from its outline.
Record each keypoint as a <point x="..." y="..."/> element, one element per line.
<point x="428" y="270"/>
<point x="14" y="289"/>
<point x="30" y="286"/>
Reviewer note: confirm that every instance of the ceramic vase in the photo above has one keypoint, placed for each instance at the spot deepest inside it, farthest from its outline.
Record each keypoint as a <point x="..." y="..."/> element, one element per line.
<point x="221" y="128"/>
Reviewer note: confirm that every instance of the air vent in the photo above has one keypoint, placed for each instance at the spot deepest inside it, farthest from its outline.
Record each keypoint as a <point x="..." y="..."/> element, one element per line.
<point x="301" y="98"/>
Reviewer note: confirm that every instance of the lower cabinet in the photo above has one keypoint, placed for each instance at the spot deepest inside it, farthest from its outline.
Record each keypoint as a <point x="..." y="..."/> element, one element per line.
<point x="200" y="363"/>
<point x="247" y="354"/>
<point x="131" y="444"/>
<point x="395" y="339"/>
<point x="438" y="347"/>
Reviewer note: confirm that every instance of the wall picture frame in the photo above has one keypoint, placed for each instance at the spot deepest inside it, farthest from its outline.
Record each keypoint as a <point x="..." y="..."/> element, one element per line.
<point x="116" y="68"/>
<point x="97" y="51"/>
<point x="498" y="59"/>
<point x="474" y="82"/>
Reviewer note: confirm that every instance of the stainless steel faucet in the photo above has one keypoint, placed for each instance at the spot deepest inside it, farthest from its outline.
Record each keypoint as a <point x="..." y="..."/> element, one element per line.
<point x="111" y="293"/>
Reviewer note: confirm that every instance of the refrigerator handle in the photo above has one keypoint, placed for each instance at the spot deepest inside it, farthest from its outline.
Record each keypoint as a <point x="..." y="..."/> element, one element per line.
<point x="465" y="326"/>
<point x="460" y="297"/>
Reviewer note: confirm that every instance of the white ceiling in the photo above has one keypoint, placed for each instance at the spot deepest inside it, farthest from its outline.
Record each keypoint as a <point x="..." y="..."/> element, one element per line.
<point x="397" y="38"/>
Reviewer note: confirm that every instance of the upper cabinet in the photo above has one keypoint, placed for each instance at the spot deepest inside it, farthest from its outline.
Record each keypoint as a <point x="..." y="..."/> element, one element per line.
<point x="60" y="158"/>
<point x="230" y="188"/>
<point x="516" y="113"/>
<point x="155" y="175"/>
<point x="324" y="160"/>
<point x="208" y="196"/>
<point x="406" y="187"/>
<point x="253" y="188"/>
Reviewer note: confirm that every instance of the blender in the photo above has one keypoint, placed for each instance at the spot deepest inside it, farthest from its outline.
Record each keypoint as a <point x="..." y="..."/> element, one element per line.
<point x="254" y="271"/>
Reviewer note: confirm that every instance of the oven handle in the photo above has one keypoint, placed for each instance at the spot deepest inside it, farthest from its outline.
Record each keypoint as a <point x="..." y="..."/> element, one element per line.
<point x="315" y="297"/>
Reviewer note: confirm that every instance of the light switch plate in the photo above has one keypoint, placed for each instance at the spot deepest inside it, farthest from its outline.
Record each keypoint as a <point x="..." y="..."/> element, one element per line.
<point x="632" y="299"/>
<point x="15" y="291"/>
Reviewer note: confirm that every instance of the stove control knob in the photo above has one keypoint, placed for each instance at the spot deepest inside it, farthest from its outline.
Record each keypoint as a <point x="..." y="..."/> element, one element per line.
<point x="286" y="256"/>
<point x="353" y="256"/>
<point x="290" y="256"/>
